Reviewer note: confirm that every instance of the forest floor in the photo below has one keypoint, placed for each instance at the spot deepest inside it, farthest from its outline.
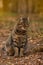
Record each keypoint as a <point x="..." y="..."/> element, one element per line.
<point x="35" y="34"/>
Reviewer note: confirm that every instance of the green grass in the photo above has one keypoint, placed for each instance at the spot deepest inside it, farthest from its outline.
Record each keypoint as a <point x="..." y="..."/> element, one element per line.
<point x="4" y="14"/>
<point x="9" y="14"/>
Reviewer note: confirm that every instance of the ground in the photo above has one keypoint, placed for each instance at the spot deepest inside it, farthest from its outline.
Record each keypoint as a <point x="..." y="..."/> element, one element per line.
<point x="35" y="34"/>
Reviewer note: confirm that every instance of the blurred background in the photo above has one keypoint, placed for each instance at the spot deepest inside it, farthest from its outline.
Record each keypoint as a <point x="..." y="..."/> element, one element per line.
<point x="10" y="11"/>
<point x="22" y="6"/>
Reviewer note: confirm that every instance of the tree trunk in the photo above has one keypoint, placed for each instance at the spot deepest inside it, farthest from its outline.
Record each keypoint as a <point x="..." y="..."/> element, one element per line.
<point x="22" y="6"/>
